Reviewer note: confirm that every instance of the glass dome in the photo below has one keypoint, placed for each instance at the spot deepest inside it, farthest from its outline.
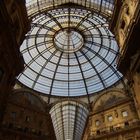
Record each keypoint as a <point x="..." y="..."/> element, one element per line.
<point x="69" y="52"/>
<point x="68" y="40"/>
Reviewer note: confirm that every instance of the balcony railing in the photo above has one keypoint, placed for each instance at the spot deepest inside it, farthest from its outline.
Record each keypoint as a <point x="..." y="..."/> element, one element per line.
<point x="115" y="129"/>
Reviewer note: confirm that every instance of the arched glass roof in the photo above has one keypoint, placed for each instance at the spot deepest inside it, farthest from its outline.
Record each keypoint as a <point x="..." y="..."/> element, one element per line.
<point x="102" y="7"/>
<point x="69" y="119"/>
<point x="69" y="52"/>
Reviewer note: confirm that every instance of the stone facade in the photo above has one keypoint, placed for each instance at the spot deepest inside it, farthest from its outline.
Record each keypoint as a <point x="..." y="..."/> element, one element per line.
<point x="13" y="26"/>
<point x="113" y="117"/>
<point x="125" y="20"/>
<point x="127" y="32"/>
<point x="26" y="118"/>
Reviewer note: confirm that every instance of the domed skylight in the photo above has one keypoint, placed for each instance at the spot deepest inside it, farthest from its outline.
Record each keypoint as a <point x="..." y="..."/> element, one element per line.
<point x="69" y="52"/>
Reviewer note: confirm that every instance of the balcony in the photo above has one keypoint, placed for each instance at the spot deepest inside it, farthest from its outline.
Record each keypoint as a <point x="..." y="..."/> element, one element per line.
<point x="113" y="130"/>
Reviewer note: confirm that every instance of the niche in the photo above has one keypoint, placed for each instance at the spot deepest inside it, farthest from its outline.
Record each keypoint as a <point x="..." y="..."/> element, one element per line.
<point x="123" y="24"/>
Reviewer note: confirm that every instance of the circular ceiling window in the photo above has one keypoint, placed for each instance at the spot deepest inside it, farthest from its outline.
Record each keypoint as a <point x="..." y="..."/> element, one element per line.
<point x="68" y="40"/>
<point x="69" y="52"/>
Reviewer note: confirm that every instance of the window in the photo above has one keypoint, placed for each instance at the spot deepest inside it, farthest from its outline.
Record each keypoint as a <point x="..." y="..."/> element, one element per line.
<point x="126" y="124"/>
<point x="40" y="123"/>
<point x="111" y="129"/>
<point x="39" y="133"/>
<point x="123" y="24"/>
<point x="27" y="119"/>
<point x="10" y="125"/>
<point x="138" y="68"/>
<point x="110" y="118"/>
<point x="98" y="132"/>
<point x="1" y="74"/>
<point x="13" y="115"/>
<point x="13" y="7"/>
<point x="17" y="28"/>
<point x="26" y="129"/>
<point x="97" y="122"/>
<point x="124" y="113"/>
<point x="127" y="11"/>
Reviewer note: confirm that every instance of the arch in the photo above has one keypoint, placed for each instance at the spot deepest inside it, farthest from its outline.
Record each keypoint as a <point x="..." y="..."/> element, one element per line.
<point x="109" y="98"/>
<point x="71" y="100"/>
<point x="28" y="97"/>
